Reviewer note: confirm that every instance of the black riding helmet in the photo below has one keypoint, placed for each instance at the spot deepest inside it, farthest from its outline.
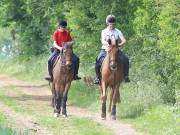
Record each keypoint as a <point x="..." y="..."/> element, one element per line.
<point x="63" y="23"/>
<point x="110" y="19"/>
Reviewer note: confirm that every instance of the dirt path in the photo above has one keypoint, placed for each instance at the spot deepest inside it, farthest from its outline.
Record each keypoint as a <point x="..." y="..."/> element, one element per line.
<point x="36" y="92"/>
<point x="24" y="122"/>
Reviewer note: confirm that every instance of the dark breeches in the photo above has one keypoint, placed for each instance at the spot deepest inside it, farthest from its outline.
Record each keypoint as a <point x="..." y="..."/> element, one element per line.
<point x="125" y="61"/>
<point x="51" y="60"/>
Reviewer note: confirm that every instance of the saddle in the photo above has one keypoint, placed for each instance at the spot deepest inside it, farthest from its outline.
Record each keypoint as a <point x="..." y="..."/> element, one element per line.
<point x="55" y="59"/>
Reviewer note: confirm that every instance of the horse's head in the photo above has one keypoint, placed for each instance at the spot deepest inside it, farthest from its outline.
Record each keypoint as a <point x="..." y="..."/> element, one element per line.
<point x="113" y="53"/>
<point x="68" y="53"/>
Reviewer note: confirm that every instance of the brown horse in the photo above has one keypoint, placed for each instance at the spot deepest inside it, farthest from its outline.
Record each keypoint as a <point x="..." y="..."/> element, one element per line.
<point x="62" y="78"/>
<point x="111" y="76"/>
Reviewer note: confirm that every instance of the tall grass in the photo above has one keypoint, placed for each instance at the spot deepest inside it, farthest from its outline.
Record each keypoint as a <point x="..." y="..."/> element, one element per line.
<point x="159" y="120"/>
<point x="29" y="69"/>
<point x="10" y="131"/>
<point x="5" y="127"/>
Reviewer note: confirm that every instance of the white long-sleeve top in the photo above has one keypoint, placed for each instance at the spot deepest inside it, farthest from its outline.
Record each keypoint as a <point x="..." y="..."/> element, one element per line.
<point x="107" y="34"/>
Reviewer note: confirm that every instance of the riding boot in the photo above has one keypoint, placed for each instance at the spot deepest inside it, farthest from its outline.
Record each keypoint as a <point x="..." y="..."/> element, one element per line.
<point x="125" y="61"/>
<point x="126" y="71"/>
<point x="97" y="69"/>
<point x="50" y="77"/>
<point x="76" y="68"/>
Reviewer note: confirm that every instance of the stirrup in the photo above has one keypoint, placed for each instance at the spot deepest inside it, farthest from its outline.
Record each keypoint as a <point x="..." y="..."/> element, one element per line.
<point x="48" y="79"/>
<point x="76" y="77"/>
<point x="126" y="79"/>
<point x="96" y="81"/>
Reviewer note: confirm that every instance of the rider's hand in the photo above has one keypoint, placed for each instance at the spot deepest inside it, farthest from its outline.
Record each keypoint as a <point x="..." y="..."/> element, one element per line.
<point x="120" y="45"/>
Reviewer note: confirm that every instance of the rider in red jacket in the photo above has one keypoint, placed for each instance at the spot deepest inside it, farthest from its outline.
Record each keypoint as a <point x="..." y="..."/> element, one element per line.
<point x="60" y="36"/>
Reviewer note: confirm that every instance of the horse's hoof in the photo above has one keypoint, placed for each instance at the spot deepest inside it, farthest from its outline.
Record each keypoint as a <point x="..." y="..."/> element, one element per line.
<point x="103" y="116"/>
<point x="56" y="114"/>
<point x="65" y="115"/>
<point x="113" y="117"/>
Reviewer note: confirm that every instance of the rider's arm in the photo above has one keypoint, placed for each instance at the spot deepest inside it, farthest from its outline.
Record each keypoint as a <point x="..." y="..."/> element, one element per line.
<point x="122" y="39"/>
<point x="55" y="38"/>
<point x="103" y="37"/>
<point x="56" y="46"/>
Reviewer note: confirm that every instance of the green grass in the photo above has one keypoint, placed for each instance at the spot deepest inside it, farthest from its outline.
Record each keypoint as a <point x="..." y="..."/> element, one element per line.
<point x="84" y="96"/>
<point x="3" y="118"/>
<point x="137" y="97"/>
<point x="74" y="126"/>
<point x="90" y="128"/>
<point x="9" y="131"/>
<point x="159" y="120"/>
<point x="14" y="100"/>
<point x="29" y="69"/>
<point x="5" y="126"/>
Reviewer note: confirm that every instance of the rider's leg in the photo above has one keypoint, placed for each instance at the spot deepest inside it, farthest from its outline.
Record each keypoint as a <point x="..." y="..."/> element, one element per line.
<point x="76" y="67"/>
<point x="125" y="61"/>
<point x="50" y="65"/>
<point x="101" y="55"/>
<point x="97" y="69"/>
<point x="50" y="68"/>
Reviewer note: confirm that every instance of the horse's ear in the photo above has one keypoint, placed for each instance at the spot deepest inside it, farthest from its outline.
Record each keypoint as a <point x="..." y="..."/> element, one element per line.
<point x="109" y="41"/>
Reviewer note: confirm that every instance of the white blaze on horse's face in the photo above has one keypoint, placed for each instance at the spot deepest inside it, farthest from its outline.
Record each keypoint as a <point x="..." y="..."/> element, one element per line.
<point x="113" y="55"/>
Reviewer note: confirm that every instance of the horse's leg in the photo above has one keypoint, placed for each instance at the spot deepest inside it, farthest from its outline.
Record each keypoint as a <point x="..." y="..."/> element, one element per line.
<point x="53" y="95"/>
<point x="64" y="99"/>
<point x="111" y="97"/>
<point x="53" y="100"/>
<point x="104" y="97"/>
<point x="118" y="98"/>
<point x="113" y="112"/>
<point x="57" y="108"/>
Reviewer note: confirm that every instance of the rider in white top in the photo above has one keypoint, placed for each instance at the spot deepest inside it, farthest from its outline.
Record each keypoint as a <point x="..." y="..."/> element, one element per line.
<point x="106" y="34"/>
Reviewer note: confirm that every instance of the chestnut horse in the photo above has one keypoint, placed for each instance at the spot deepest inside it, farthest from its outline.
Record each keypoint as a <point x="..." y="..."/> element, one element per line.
<point x="62" y="78"/>
<point x="111" y="76"/>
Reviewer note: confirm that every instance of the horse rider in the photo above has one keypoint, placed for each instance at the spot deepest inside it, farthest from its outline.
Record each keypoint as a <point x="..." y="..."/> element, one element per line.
<point x="62" y="36"/>
<point x="106" y="34"/>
